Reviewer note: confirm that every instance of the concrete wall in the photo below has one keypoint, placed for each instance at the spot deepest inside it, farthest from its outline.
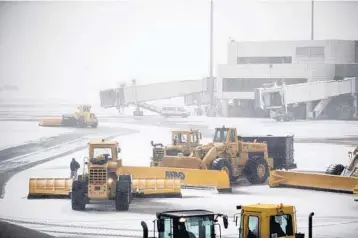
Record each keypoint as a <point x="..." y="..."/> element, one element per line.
<point x="335" y="51"/>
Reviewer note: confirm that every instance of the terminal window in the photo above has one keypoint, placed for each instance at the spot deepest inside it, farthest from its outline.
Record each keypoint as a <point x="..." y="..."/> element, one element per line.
<point x="249" y="84"/>
<point x="265" y="60"/>
<point x="316" y="51"/>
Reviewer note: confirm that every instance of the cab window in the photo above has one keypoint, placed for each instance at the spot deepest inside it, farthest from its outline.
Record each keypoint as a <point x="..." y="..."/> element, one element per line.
<point x="232" y="136"/>
<point x="253" y="223"/>
<point x="194" y="138"/>
<point x="281" y="225"/>
<point x="220" y="135"/>
<point x="168" y="228"/>
<point x="199" y="227"/>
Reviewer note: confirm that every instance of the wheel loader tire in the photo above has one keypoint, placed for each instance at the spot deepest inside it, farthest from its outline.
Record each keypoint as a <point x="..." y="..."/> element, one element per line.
<point x="222" y="164"/>
<point x="335" y="169"/>
<point x="256" y="170"/>
<point x="78" y="195"/>
<point x="123" y="193"/>
<point x="94" y="125"/>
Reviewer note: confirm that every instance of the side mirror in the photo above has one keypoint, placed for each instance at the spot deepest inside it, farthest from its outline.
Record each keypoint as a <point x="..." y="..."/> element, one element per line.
<point x="119" y="150"/>
<point x="160" y="225"/>
<point x="152" y="143"/>
<point x="350" y="154"/>
<point x="226" y="222"/>
<point x="145" y="229"/>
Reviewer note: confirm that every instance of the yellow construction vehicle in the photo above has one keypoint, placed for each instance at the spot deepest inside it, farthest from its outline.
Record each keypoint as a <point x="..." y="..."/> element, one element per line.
<point x="82" y="118"/>
<point x="236" y="155"/>
<point x="105" y="178"/>
<point x="269" y="220"/>
<point x="186" y="223"/>
<point x="183" y="141"/>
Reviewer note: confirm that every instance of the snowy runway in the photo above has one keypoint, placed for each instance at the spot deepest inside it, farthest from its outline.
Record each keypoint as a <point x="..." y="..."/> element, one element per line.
<point x="336" y="215"/>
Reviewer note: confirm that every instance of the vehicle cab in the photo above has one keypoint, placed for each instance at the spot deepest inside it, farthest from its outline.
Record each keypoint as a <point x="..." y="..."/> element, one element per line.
<point x="186" y="224"/>
<point x="268" y="220"/>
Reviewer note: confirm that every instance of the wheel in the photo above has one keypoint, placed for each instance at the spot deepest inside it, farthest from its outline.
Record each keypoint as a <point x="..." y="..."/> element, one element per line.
<point x="256" y="170"/>
<point x="78" y="195"/>
<point x="335" y="169"/>
<point x="94" y="125"/>
<point x="222" y="164"/>
<point x="123" y="193"/>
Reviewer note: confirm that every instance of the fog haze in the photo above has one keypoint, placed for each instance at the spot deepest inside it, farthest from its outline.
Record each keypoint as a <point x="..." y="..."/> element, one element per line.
<point x="75" y="49"/>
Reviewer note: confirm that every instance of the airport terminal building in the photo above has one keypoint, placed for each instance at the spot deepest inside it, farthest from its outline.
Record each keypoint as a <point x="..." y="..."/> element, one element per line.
<point x="252" y="65"/>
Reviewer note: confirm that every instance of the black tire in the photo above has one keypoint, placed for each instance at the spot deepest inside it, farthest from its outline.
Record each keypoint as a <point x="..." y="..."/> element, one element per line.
<point x="123" y="193"/>
<point x="78" y="195"/>
<point x="222" y="164"/>
<point x="335" y="169"/>
<point x="94" y="125"/>
<point x="251" y="170"/>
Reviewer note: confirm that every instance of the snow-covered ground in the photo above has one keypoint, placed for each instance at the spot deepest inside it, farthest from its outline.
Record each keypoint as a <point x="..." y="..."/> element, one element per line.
<point x="335" y="214"/>
<point x="17" y="133"/>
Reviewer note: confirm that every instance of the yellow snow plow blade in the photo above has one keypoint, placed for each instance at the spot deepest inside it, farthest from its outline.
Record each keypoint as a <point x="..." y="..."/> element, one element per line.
<point x="49" y="188"/>
<point x="196" y="178"/>
<point x="156" y="187"/>
<point x="55" y="121"/>
<point x="143" y="187"/>
<point x="314" y="181"/>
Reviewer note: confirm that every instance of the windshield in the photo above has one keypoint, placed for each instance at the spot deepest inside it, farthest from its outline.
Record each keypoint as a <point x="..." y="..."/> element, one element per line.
<point x="180" y="138"/>
<point x="220" y="134"/>
<point x="202" y="227"/>
<point x="98" y="152"/>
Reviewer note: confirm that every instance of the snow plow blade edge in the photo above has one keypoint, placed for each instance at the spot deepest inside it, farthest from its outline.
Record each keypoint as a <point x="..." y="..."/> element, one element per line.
<point x="312" y="181"/>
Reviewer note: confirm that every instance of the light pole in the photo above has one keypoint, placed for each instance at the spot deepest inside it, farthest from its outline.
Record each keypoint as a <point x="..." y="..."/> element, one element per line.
<point x="211" y="77"/>
<point x="312" y="19"/>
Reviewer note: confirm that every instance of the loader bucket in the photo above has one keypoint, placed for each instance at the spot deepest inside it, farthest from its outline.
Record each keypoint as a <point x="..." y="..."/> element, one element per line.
<point x="51" y="122"/>
<point x="313" y="181"/>
<point x="192" y="178"/>
<point x="49" y="188"/>
<point x="156" y="187"/>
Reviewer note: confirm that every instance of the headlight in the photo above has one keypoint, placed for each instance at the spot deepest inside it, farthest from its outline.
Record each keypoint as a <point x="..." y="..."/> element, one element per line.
<point x="110" y="180"/>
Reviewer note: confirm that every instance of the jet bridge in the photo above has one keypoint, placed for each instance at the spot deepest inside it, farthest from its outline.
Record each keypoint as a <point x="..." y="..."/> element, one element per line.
<point x="277" y="99"/>
<point x="139" y="94"/>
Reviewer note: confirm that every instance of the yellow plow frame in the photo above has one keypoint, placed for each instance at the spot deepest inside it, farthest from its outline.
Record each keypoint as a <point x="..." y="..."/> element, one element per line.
<point x="314" y="181"/>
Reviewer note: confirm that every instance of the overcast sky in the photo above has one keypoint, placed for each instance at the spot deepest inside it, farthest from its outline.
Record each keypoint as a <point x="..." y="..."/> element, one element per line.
<point x="62" y="47"/>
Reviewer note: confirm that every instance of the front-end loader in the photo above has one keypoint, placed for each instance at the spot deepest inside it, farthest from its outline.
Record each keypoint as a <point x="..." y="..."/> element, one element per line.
<point x="269" y="220"/>
<point x="337" y="178"/>
<point x="82" y="118"/>
<point x="105" y="178"/>
<point x="183" y="141"/>
<point x="252" y="157"/>
<point x="186" y="223"/>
